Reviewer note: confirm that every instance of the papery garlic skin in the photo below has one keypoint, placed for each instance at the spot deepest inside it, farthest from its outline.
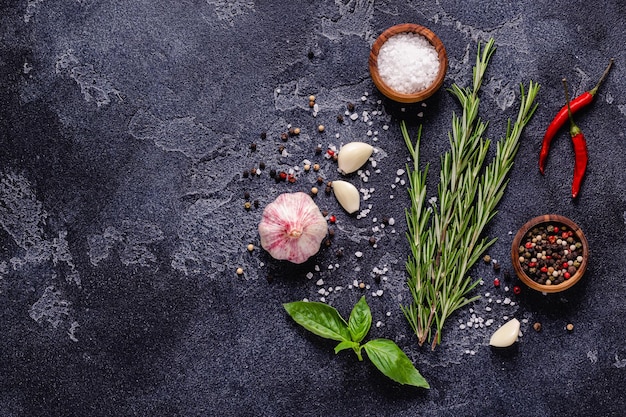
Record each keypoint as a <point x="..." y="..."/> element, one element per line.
<point x="347" y="195"/>
<point x="353" y="156"/>
<point x="292" y="228"/>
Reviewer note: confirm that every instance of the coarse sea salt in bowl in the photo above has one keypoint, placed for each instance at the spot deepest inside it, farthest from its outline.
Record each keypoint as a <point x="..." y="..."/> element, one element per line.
<point x="408" y="63"/>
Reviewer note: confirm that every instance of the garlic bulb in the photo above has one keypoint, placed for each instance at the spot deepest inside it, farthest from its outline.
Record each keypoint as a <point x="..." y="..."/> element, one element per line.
<point x="353" y="155"/>
<point x="292" y="228"/>
<point x="506" y="335"/>
<point x="347" y="195"/>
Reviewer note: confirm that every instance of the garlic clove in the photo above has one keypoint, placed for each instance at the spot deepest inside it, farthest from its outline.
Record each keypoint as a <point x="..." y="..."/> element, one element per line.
<point x="347" y="195"/>
<point x="353" y="156"/>
<point x="292" y="227"/>
<point x="506" y="335"/>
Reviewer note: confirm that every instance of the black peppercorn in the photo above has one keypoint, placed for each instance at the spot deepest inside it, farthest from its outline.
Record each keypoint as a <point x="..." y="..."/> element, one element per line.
<point x="340" y="118"/>
<point x="284" y="136"/>
<point x="246" y="195"/>
<point x="281" y="148"/>
<point x="350" y="106"/>
<point x="246" y="174"/>
<point x="256" y="203"/>
<point x="253" y="146"/>
<point x="272" y="173"/>
<point x="318" y="150"/>
<point x="262" y="165"/>
<point x="263" y="135"/>
<point x="372" y="241"/>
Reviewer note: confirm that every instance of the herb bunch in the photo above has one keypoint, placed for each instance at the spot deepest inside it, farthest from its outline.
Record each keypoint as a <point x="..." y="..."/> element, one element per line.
<point x="325" y="321"/>
<point x="446" y="236"/>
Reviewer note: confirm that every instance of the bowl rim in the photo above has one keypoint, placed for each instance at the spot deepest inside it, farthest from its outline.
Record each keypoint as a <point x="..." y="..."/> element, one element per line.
<point x="535" y="221"/>
<point x="432" y="38"/>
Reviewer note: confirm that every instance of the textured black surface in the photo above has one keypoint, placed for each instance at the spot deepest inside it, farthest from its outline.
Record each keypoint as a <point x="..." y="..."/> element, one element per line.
<point x="125" y="129"/>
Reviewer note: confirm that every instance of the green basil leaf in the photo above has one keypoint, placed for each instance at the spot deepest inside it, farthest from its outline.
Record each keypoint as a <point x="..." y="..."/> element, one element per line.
<point x="319" y="318"/>
<point x="393" y="362"/>
<point x="360" y="320"/>
<point x="346" y="344"/>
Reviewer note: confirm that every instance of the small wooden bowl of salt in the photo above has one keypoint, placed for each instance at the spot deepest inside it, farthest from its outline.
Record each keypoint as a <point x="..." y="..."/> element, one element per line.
<point x="408" y="63"/>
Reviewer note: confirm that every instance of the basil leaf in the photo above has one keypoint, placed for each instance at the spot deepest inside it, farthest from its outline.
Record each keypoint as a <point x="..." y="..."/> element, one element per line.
<point x="360" y="320"/>
<point x="346" y="344"/>
<point x="393" y="362"/>
<point x="319" y="318"/>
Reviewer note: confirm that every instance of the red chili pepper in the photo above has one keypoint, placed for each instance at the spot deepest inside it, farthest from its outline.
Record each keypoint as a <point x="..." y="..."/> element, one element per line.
<point x="561" y="117"/>
<point x="580" y="148"/>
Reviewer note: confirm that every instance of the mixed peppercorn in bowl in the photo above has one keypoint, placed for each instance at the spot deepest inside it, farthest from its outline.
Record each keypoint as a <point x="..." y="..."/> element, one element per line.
<point x="550" y="253"/>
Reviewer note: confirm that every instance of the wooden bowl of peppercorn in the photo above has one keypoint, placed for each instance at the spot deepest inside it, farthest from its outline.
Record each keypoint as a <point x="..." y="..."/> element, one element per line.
<point x="380" y="75"/>
<point x="550" y="253"/>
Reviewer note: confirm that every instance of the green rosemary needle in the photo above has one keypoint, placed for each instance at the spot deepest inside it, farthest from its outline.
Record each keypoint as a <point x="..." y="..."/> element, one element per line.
<point x="446" y="236"/>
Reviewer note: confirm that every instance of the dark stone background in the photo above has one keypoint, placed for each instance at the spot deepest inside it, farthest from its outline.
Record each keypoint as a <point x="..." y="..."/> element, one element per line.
<point x="125" y="128"/>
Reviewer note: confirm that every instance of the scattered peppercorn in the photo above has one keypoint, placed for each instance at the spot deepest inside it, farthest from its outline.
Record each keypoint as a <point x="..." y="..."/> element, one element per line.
<point x="256" y="203"/>
<point x="361" y="285"/>
<point x="350" y="106"/>
<point x="318" y="150"/>
<point x="332" y="219"/>
<point x="316" y="167"/>
<point x="296" y="131"/>
<point x="496" y="282"/>
<point x="282" y="175"/>
<point x="253" y="146"/>
<point x="321" y="128"/>
<point x="339" y="253"/>
<point x="246" y="174"/>
<point x="328" y="189"/>
<point x="569" y="327"/>
<point x="517" y="290"/>
<point x="250" y="247"/>
<point x="496" y="266"/>
<point x="487" y="259"/>
<point x="537" y="326"/>
<point x="307" y="167"/>
<point x="324" y="213"/>
<point x="310" y="55"/>
<point x="311" y="98"/>
<point x="331" y="232"/>
<point x="311" y="103"/>
<point x="377" y="278"/>
<point x="247" y="205"/>
<point x="314" y="190"/>
<point x="262" y="165"/>
<point x="372" y="241"/>
<point x="272" y="173"/>
<point x="239" y="271"/>
<point x="281" y="148"/>
<point x="291" y="178"/>
<point x="284" y="136"/>
<point x="253" y="171"/>
<point x="327" y="242"/>
<point x="320" y="180"/>
<point x="340" y="118"/>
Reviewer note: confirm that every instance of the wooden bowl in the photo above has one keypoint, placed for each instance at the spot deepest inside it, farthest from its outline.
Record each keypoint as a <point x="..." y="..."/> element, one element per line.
<point x="420" y="95"/>
<point x="556" y="220"/>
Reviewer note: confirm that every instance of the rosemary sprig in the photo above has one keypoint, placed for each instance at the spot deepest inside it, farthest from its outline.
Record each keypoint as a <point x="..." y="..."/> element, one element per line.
<point x="446" y="237"/>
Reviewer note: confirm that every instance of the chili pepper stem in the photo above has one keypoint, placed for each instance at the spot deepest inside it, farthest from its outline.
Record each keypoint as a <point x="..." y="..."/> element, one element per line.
<point x="594" y="90"/>
<point x="573" y="130"/>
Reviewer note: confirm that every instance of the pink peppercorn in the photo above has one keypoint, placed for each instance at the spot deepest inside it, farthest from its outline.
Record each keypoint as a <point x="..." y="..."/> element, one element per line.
<point x="496" y="282"/>
<point x="517" y="290"/>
